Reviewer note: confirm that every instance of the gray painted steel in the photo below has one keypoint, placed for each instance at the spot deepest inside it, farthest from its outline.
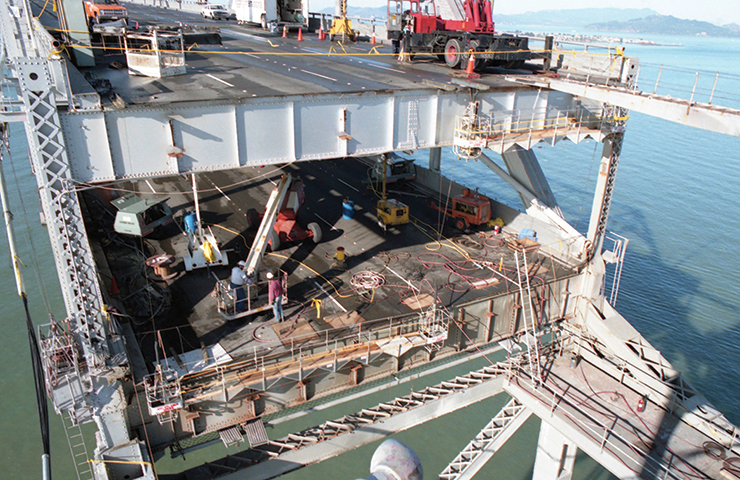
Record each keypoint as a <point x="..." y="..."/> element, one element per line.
<point x="697" y="115"/>
<point x="524" y="167"/>
<point x="134" y="142"/>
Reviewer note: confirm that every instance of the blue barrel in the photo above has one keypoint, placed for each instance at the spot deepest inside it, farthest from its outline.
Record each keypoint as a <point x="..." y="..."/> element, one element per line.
<point x="348" y="209"/>
<point x="189" y="219"/>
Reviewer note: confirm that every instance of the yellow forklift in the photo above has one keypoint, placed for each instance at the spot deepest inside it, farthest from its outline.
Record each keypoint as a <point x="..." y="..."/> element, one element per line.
<point x="390" y="212"/>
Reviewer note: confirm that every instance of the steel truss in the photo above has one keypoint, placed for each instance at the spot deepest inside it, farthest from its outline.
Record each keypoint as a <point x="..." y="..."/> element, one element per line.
<point x="358" y="421"/>
<point x="484" y="445"/>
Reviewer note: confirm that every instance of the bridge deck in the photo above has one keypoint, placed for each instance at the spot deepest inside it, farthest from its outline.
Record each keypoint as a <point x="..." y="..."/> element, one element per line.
<point x="404" y="256"/>
<point x="601" y="415"/>
<point x="255" y="63"/>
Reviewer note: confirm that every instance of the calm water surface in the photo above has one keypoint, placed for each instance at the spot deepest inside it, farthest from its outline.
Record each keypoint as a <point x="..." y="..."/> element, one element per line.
<point x="677" y="200"/>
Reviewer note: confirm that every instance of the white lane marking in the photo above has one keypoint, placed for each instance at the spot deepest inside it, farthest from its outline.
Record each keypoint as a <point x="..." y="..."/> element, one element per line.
<point x="333" y="300"/>
<point x="219" y="80"/>
<point x="251" y="37"/>
<point x="325" y="221"/>
<point x="319" y="75"/>
<point x="387" y="68"/>
<point x="350" y="186"/>
<point x="222" y="193"/>
<point x="250" y="55"/>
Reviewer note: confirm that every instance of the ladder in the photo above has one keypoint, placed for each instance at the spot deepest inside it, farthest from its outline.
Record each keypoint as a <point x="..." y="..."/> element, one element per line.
<point x="528" y="315"/>
<point x="77" y="447"/>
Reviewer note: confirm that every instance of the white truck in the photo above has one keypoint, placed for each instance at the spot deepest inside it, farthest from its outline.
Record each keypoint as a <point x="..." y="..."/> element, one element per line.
<point x="272" y="14"/>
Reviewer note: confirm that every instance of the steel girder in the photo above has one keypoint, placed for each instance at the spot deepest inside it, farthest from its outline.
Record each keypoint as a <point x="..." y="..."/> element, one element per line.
<point x="42" y="85"/>
<point x="139" y="142"/>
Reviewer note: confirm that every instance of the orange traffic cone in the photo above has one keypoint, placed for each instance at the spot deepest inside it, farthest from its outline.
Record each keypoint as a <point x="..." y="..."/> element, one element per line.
<point x="372" y="39"/>
<point x="321" y="33"/>
<point x="470" y="70"/>
<point x="285" y="31"/>
<point x="300" y="35"/>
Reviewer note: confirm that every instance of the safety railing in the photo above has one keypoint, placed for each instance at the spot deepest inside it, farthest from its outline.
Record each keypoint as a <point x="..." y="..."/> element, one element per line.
<point x="334" y="344"/>
<point x="163" y="394"/>
<point x="476" y="131"/>
<point x="614" y="257"/>
<point x="705" y="87"/>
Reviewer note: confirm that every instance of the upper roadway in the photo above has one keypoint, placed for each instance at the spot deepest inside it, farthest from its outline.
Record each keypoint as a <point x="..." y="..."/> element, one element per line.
<point x="255" y="63"/>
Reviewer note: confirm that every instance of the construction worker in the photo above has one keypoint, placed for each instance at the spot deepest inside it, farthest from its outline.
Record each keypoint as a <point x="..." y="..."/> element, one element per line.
<point x="275" y="296"/>
<point x="190" y="220"/>
<point x="239" y="280"/>
<point x="408" y="22"/>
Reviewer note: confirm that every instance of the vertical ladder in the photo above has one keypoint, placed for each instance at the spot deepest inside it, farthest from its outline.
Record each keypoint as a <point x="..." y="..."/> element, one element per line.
<point x="528" y="315"/>
<point x="77" y="447"/>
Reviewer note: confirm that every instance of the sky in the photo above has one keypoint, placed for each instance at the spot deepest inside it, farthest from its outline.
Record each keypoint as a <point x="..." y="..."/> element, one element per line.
<point x="715" y="11"/>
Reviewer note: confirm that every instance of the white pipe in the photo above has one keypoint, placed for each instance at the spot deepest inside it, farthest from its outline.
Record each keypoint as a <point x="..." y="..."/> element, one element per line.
<point x="9" y="229"/>
<point x="197" y="209"/>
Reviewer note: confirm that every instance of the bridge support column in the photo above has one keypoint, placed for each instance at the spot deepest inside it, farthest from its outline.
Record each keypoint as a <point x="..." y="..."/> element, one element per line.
<point x="556" y="455"/>
<point x="435" y="159"/>
<point x="73" y="22"/>
<point x="525" y="169"/>
<point x="604" y="188"/>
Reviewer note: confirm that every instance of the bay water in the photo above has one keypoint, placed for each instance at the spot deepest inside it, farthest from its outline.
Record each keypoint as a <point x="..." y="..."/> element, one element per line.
<point x="677" y="199"/>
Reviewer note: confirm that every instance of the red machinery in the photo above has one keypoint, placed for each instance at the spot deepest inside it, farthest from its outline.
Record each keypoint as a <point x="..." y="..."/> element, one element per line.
<point x="422" y="29"/>
<point x="468" y="209"/>
<point x="286" y="227"/>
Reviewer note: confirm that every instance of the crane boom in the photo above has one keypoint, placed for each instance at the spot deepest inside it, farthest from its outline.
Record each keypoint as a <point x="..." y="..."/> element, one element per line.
<point x="268" y="222"/>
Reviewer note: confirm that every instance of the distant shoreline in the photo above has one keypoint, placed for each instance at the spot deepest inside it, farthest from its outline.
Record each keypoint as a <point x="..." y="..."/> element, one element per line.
<point x="588" y="38"/>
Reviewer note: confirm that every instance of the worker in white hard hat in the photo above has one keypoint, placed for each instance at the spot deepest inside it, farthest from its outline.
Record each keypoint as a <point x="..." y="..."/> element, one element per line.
<point x="275" y="296"/>
<point x="238" y="280"/>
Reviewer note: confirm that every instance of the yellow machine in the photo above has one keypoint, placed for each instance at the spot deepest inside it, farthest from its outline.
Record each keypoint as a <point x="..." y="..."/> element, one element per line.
<point x="390" y="211"/>
<point x="342" y="26"/>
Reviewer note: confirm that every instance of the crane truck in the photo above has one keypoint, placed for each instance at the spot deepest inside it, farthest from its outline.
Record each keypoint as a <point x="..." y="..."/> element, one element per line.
<point x="451" y="29"/>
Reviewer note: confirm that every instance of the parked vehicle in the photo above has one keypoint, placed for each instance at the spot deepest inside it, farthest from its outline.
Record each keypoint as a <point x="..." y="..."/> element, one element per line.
<point x="273" y="14"/>
<point x="468" y="209"/>
<point x="451" y="29"/>
<point x="215" y="12"/>
<point x="102" y="11"/>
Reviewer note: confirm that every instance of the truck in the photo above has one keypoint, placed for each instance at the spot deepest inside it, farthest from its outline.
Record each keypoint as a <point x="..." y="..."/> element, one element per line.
<point x="102" y="11"/>
<point x="468" y="209"/>
<point x="451" y="30"/>
<point x="272" y="14"/>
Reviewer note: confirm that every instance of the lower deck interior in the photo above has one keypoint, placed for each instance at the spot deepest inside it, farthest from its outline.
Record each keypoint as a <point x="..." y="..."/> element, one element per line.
<point x="405" y="295"/>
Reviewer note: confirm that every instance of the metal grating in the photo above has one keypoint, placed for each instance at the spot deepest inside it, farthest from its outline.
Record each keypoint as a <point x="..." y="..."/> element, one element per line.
<point x="256" y="433"/>
<point x="231" y="436"/>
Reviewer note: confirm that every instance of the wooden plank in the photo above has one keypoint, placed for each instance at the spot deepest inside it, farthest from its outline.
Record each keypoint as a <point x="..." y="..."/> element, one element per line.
<point x="344" y="319"/>
<point x="418" y="302"/>
<point x="291" y="334"/>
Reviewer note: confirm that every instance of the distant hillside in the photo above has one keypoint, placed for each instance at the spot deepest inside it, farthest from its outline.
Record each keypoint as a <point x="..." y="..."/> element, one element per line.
<point x="573" y="18"/>
<point x="632" y="20"/>
<point x="553" y="18"/>
<point x="363" y="12"/>
<point x="668" y="25"/>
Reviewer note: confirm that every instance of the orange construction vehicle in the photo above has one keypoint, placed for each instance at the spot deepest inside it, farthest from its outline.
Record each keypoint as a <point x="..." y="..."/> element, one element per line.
<point x="468" y="209"/>
<point x="102" y="11"/>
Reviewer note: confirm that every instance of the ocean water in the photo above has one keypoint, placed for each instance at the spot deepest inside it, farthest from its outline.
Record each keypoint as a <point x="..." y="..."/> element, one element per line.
<point x="677" y="199"/>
